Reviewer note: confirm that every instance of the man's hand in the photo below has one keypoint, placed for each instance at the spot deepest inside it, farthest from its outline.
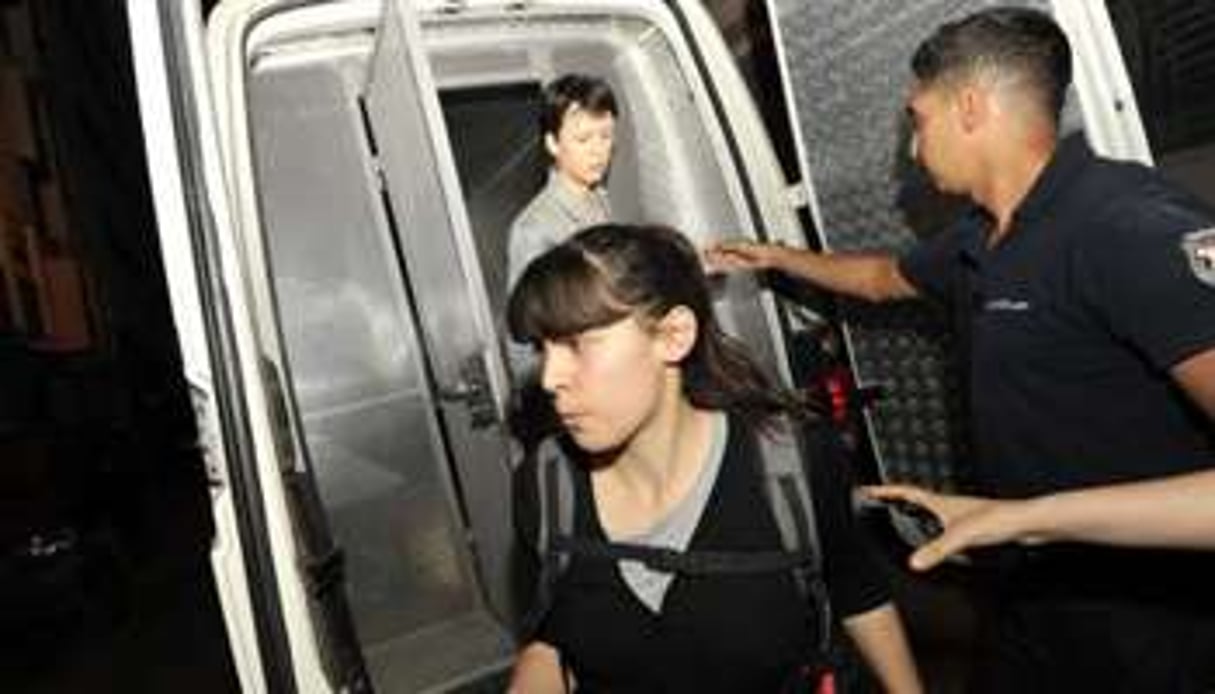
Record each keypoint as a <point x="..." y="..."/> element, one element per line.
<point x="966" y="521"/>
<point x="735" y="256"/>
<point x="868" y="276"/>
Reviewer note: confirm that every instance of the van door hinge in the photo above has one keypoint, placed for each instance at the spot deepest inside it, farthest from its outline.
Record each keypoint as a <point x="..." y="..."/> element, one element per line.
<point x="471" y="389"/>
<point x="377" y="170"/>
<point x="280" y="416"/>
<point x="208" y="435"/>
<point x="452" y="6"/>
<point x="797" y="195"/>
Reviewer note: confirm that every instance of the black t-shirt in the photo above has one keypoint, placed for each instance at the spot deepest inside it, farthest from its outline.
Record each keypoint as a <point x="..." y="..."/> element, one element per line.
<point x="717" y="633"/>
<point x="1072" y="322"/>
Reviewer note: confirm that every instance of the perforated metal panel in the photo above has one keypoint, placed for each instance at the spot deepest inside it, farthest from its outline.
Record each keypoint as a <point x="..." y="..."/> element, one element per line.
<point x="846" y="66"/>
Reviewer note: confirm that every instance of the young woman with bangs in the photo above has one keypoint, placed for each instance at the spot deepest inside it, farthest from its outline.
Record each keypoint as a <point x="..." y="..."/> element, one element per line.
<point x="661" y="411"/>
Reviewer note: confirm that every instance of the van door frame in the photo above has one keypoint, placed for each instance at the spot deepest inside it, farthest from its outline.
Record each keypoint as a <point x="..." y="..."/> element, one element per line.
<point x="289" y="625"/>
<point x="165" y="40"/>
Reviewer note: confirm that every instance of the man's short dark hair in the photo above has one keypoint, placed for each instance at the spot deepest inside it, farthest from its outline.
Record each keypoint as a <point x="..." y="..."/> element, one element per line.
<point x="588" y="93"/>
<point x="1015" y="42"/>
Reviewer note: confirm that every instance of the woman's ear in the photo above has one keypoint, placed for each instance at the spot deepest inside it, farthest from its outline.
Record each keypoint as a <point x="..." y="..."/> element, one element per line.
<point x="550" y="144"/>
<point x="677" y="331"/>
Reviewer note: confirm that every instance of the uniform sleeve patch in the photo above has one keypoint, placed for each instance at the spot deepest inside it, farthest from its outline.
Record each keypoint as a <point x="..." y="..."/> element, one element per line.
<point x="1199" y="247"/>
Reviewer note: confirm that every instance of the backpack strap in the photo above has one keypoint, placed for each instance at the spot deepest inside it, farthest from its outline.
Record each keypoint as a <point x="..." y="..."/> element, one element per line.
<point x="555" y="498"/>
<point x="786" y="478"/>
<point x="697" y="562"/>
<point x="555" y="483"/>
<point x="786" y="485"/>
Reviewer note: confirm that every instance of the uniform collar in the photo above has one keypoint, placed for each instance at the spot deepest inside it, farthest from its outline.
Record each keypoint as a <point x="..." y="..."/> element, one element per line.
<point x="974" y="241"/>
<point x="1071" y="156"/>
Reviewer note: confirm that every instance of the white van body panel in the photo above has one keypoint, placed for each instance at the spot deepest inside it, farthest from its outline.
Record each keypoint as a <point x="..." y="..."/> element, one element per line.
<point x="1111" y="113"/>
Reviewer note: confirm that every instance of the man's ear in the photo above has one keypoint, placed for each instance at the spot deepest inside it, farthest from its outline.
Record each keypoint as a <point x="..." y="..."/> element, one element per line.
<point x="676" y="332"/>
<point x="974" y="107"/>
<point x="550" y="144"/>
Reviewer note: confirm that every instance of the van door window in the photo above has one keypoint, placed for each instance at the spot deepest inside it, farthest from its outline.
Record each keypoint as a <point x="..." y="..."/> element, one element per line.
<point x="495" y="141"/>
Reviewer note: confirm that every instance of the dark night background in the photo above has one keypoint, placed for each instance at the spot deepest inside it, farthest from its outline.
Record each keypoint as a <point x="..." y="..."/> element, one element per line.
<point x="105" y="527"/>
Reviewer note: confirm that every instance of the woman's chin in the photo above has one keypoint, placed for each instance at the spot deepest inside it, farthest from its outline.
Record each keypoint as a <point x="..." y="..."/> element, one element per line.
<point x="592" y="442"/>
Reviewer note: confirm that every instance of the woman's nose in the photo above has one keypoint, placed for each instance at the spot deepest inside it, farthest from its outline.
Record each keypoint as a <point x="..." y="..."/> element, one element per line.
<point x="554" y="369"/>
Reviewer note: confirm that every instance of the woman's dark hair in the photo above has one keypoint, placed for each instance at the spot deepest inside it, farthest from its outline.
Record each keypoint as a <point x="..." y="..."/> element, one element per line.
<point x="608" y="272"/>
<point x="591" y="94"/>
<point x="1015" y="41"/>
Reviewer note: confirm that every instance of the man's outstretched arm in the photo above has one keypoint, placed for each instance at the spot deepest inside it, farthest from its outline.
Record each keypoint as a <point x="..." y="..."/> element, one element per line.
<point x="869" y="276"/>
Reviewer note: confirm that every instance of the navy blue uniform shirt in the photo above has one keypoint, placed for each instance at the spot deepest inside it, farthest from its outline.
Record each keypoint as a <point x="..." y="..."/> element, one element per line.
<point x="1071" y="323"/>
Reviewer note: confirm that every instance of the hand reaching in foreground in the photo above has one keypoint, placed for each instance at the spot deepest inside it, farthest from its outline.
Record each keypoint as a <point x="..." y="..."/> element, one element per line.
<point x="966" y="521"/>
<point x="1177" y="511"/>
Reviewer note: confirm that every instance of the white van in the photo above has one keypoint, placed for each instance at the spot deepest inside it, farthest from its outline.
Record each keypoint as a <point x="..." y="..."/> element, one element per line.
<point x="333" y="181"/>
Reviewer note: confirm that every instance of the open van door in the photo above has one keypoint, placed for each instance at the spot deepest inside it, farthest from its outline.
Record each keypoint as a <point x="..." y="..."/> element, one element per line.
<point x="845" y="73"/>
<point x="347" y="381"/>
<point x="467" y="373"/>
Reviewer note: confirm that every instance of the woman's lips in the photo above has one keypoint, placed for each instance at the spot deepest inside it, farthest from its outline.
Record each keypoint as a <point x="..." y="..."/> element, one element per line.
<point x="570" y="418"/>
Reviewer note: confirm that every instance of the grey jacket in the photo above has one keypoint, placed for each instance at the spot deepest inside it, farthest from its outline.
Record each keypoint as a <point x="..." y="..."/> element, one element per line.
<point x="555" y="214"/>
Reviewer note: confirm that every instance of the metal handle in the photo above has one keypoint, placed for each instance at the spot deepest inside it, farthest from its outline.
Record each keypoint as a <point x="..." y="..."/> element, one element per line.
<point x="471" y="389"/>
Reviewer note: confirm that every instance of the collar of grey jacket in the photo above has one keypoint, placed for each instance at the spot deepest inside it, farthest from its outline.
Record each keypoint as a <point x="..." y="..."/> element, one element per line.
<point x="584" y="209"/>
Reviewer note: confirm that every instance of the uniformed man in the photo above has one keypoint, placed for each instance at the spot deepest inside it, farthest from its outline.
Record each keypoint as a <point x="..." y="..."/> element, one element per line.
<point x="1085" y="292"/>
<point x="577" y="125"/>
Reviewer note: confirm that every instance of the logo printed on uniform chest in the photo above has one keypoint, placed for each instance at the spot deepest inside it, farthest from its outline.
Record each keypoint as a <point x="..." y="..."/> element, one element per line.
<point x="1006" y="305"/>
<point x="1199" y="247"/>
